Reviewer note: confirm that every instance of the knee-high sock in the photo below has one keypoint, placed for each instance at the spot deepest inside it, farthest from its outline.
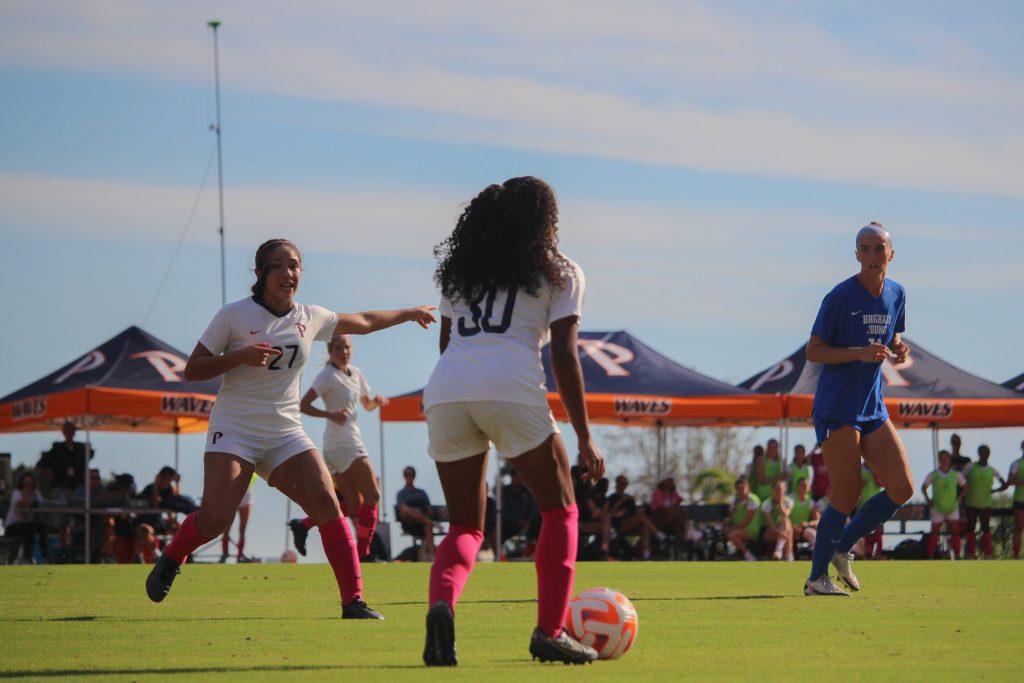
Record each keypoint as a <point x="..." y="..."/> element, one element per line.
<point x="986" y="543"/>
<point x="340" y="548"/>
<point x="879" y="509"/>
<point x="186" y="540"/>
<point x="307" y="523"/>
<point x="555" y="561"/>
<point x="224" y="541"/>
<point x="367" y="518"/>
<point x="830" y="530"/>
<point x="453" y="561"/>
<point x="933" y="544"/>
<point x="971" y="543"/>
<point x="954" y="541"/>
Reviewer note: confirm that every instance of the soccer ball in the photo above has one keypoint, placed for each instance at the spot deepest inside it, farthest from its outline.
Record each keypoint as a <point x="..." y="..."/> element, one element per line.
<point x="605" y="620"/>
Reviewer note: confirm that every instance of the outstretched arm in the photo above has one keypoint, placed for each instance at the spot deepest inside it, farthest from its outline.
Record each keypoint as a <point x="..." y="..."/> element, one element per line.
<point x="374" y="321"/>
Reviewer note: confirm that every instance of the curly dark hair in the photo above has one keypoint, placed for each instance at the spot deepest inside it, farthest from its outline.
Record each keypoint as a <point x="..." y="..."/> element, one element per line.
<point x="506" y="238"/>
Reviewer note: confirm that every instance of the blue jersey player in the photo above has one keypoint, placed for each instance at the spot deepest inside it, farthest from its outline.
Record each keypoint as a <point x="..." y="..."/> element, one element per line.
<point x="858" y="328"/>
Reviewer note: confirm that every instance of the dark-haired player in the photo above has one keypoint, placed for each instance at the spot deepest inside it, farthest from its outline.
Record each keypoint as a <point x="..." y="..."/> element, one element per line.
<point x="505" y="289"/>
<point x="259" y="345"/>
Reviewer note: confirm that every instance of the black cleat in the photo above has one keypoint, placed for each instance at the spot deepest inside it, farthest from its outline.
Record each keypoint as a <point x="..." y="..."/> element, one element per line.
<point x="357" y="609"/>
<point x="562" y="648"/>
<point x="440" y="647"/>
<point x="158" y="583"/>
<point x="299" y="533"/>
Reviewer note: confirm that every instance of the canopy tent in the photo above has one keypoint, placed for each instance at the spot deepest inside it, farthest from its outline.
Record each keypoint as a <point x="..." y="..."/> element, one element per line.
<point x="629" y="383"/>
<point x="130" y="383"/>
<point x="1015" y="384"/>
<point x="926" y="391"/>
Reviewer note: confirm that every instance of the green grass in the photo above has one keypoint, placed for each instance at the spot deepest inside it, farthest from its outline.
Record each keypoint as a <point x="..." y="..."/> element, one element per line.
<point x="912" y="621"/>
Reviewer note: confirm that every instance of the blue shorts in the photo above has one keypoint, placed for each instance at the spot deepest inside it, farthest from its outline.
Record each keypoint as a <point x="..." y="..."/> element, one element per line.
<point x="823" y="428"/>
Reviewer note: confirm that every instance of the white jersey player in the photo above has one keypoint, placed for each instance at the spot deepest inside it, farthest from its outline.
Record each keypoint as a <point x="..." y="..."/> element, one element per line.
<point x="343" y="389"/>
<point x="260" y="345"/>
<point x="505" y="290"/>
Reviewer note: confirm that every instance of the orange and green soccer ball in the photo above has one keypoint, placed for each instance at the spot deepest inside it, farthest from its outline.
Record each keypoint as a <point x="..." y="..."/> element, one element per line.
<point x="605" y="620"/>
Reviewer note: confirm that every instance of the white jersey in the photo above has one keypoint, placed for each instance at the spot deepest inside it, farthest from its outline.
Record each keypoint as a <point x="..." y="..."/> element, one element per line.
<point x="342" y="391"/>
<point x="494" y="350"/>
<point x="264" y="400"/>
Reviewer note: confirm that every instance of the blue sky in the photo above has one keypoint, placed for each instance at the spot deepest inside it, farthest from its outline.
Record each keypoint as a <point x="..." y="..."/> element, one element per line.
<point x="712" y="161"/>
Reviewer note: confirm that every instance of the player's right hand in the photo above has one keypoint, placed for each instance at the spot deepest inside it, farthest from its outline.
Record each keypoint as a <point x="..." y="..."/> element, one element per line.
<point x="338" y="417"/>
<point x="591" y="458"/>
<point x="258" y="354"/>
<point x="873" y="353"/>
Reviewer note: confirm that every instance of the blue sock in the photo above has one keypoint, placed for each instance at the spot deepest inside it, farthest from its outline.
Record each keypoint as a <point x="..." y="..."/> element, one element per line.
<point x="879" y="509"/>
<point x="830" y="529"/>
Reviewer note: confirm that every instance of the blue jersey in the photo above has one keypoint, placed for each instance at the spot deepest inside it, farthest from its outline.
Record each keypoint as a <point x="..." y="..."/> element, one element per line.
<point x="850" y="316"/>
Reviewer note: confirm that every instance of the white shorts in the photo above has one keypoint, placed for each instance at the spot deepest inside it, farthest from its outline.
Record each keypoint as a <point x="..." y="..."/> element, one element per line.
<point x="265" y="453"/>
<point x="939" y="517"/>
<point x="340" y="458"/>
<point x="460" y="430"/>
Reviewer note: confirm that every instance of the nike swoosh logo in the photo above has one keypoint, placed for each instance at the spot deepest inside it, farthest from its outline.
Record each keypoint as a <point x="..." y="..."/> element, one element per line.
<point x="254" y="331"/>
<point x="855" y="313"/>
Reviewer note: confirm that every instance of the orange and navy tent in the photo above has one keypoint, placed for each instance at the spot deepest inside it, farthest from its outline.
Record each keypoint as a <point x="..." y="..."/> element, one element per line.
<point x="628" y="382"/>
<point x="132" y="382"/>
<point x="1015" y="384"/>
<point x="926" y="391"/>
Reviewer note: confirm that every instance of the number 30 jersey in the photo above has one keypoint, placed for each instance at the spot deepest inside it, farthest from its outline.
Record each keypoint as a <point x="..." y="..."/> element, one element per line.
<point x="264" y="400"/>
<point x="494" y="350"/>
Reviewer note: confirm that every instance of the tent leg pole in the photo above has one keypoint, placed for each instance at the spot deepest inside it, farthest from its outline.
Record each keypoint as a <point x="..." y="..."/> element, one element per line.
<point x="177" y="431"/>
<point x="88" y="501"/>
<point x="935" y="447"/>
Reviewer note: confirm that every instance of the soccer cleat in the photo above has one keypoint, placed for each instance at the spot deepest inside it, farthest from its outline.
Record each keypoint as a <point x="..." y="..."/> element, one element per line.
<point x="823" y="585"/>
<point x="844" y="569"/>
<point x="357" y="609"/>
<point x="299" y="534"/>
<point x="562" y="648"/>
<point x="158" y="583"/>
<point x="439" y="649"/>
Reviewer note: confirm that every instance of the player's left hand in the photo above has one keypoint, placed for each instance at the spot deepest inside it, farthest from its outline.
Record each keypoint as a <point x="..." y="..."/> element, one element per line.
<point x="902" y="351"/>
<point x="422" y="315"/>
<point x="382" y="400"/>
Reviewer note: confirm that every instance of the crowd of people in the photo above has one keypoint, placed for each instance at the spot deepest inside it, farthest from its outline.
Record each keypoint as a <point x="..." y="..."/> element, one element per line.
<point x="57" y="482"/>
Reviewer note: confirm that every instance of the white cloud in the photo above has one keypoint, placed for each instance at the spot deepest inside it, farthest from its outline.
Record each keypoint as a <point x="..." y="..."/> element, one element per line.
<point x="598" y="79"/>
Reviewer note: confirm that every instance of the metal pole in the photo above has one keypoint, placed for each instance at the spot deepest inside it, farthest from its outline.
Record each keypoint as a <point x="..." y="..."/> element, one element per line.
<point x="177" y="432"/>
<point x="88" y="497"/>
<point x="220" y="165"/>
<point x="382" y="511"/>
<point x="935" y="447"/>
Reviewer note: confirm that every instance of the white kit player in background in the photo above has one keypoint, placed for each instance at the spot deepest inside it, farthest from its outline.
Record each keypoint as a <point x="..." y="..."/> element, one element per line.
<point x="343" y="388"/>
<point x="260" y="344"/>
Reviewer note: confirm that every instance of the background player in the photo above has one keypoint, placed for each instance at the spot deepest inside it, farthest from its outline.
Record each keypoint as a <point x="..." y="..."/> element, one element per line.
<point x="505" y="288"/>
<point x="858" y="327"/>
<point x="244" y="512"/>
<point x="978" y="502"/>
<point x="343" y="387"/>
<point x="944" y="502"/>
<point x="260" y="344"/>
<point x="1016" y="479"/>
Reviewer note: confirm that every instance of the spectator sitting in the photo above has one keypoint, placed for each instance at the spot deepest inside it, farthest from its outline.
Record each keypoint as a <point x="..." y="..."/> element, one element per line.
<point x="744" y="525"/>
<point x="96" y="489"/>
<point x="19" y="524"/>
<point x="592" y="516"/>
<point x="164" y="493"/>
<point x="627" y="517"/>
<point x="145" y="544"/>
<point x="414" y="509"/>
<point x="778" y="527"/>
<point x="519" y="513"/>
<point x="805" y="514"/>
<point x="63" y="466"/>
<point x="666" y="512"/>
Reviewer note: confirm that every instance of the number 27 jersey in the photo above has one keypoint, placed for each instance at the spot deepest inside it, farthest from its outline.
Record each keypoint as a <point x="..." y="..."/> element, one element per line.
<point x="495" y="345"/>
<point x="264" y="400"/>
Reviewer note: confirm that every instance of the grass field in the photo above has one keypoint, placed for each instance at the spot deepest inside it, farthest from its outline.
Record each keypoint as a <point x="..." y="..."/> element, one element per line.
<point x="912" y="621"/>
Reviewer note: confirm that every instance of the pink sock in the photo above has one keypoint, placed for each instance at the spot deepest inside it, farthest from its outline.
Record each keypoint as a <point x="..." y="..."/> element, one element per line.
<point x="340" y="549"/>
<point x="555" y="561"/>
<point x="367" y="517"/>
<point x="185" y="541"/>
<point x="308" y="523"/>
<point x="453" y="562"/>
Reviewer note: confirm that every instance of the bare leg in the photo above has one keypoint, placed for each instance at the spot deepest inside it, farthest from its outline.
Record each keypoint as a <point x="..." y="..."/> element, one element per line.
<point x="883" y="450"/>
<point x="225" y="480"/>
